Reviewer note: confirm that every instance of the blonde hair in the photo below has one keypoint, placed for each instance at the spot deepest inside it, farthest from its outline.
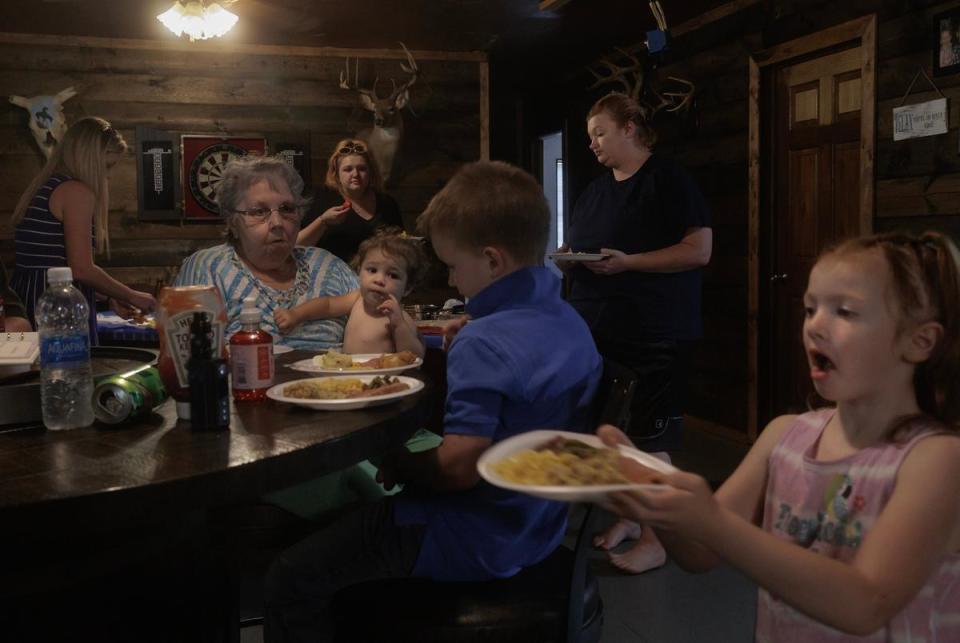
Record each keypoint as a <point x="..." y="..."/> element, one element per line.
<point x="491" y="203"/>
<point x="623" y="109"/>
<point x="925" y="280"/>
<point x="352" y="147"/>
<point x="82" y="155"/>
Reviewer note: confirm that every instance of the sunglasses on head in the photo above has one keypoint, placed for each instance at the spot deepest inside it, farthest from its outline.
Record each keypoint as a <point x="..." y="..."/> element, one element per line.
<point x="352" y="148"/>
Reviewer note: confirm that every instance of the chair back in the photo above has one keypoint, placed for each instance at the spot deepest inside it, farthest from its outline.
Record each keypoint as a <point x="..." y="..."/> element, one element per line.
<point x="615" y="395"/>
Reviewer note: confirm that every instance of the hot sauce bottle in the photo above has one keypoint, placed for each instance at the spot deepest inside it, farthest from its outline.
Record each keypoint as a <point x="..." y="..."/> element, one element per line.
<point x="207" y="375"/>
<point x="251" y="356"/>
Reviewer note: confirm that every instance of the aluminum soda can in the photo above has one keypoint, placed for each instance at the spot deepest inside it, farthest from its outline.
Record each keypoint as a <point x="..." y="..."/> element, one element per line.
<point x="118" y="398"/>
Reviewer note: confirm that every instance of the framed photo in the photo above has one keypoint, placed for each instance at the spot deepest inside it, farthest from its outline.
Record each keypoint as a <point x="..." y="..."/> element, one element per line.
<point x="946" y="49"/>
<point x="203" y="160"/>
<point x="158" y="178"/>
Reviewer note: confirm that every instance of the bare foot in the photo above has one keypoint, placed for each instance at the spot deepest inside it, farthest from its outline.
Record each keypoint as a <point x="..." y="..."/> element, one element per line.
<point x="620" y="531"/>
<point x="646" y="554"/>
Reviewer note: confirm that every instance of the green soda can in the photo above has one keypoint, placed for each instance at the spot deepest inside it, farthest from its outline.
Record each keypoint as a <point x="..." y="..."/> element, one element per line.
<point x="119" y="398"/>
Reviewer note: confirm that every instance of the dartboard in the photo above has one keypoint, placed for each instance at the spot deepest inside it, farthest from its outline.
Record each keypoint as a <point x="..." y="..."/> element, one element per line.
<point x="206" y="172"/>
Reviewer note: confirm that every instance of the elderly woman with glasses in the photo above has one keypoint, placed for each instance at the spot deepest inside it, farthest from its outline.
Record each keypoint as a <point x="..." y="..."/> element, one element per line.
<point x="261" y="203"/>
<point x="353" y="205"/>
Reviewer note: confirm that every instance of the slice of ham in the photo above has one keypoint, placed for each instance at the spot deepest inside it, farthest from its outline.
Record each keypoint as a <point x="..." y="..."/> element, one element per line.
<point x="386" y="389"/>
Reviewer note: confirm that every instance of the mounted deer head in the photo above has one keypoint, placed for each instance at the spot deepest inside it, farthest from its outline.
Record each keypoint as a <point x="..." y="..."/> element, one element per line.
<point x="387" y="131"/>
<point x="47" y="123"/>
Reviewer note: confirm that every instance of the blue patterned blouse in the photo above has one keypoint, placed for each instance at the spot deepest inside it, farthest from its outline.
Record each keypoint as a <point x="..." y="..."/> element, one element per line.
<point x="319" y="274"/>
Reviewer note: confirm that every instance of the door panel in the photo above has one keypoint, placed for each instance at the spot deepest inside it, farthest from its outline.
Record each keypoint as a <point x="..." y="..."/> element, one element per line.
<point x="816" y="175"/>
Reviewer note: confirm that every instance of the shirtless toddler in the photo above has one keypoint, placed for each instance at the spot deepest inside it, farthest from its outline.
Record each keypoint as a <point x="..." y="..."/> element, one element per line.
<point x="388" y="265"/>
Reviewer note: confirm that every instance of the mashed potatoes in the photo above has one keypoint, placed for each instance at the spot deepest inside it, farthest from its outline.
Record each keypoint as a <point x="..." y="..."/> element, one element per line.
<point x="563" y="462"/>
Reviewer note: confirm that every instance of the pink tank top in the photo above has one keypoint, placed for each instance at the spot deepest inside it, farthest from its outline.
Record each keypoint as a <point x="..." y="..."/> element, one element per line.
<point x="828" y="507"/>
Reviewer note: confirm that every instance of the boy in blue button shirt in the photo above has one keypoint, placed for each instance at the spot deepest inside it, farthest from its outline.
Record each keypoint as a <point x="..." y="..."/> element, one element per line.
<point x="525" y="361"/>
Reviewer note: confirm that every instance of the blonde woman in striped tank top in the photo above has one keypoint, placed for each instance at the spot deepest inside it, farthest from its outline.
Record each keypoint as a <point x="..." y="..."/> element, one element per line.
<point x="61" y="218"/>
<point x="848" y="518"/>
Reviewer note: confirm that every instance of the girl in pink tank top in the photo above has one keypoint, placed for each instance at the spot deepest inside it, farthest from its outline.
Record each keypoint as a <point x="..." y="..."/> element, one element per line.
<point x="847" y="518"/>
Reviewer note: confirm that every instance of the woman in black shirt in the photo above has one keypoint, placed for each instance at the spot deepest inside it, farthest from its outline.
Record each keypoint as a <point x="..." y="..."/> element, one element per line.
<point x="642" y="302"/>
<point x="352" y="207"/>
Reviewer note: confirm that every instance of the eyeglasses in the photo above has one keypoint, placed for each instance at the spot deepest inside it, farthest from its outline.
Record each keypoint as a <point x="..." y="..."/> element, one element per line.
<point x="352" y="148"/>
<point x="260" y="215"/>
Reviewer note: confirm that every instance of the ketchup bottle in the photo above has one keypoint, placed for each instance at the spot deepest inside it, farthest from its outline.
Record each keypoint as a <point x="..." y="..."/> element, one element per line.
<point x="251" y="356"/>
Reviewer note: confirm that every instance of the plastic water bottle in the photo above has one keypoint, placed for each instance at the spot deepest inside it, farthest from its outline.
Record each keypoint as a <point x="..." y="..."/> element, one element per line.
<point x="66" y="381"/>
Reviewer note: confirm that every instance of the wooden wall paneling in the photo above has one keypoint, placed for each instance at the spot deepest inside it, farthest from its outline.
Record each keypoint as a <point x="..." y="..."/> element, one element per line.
<point x="212" y="88"/>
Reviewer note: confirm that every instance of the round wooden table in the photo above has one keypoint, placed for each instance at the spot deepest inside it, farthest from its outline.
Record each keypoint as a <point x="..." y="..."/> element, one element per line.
<point x="157" y="466"/>
<point x="112" y="528"/>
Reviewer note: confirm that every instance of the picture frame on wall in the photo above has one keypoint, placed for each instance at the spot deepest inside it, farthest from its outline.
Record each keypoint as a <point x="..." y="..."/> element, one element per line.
<point x="946" y="42"/>
<point x="158" y="176"/>
<point x="203" y="160"/>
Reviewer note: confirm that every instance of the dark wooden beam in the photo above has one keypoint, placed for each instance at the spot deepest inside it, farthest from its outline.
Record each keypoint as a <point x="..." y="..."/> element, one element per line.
<point x="550" y="5"/>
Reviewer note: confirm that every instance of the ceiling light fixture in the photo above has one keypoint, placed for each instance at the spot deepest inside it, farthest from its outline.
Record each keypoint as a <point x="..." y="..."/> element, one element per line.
<point x="199" y="19"/>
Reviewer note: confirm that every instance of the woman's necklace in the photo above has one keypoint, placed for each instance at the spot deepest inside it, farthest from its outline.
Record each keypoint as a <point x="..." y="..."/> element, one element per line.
<point x="366" y="205"/>
<point x="280" y="298"/>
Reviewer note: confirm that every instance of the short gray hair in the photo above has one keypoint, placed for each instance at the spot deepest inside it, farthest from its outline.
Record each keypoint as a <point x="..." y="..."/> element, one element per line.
<point x="245" y="171"/>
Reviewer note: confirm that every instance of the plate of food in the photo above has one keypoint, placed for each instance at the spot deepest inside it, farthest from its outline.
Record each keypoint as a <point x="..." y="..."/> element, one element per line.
<point x="578" y="256"/>
<point x="142" y="320"/>
<point x="345" y="393"/>
<point x="358" y="363"/>
<point x="567" y="466"/>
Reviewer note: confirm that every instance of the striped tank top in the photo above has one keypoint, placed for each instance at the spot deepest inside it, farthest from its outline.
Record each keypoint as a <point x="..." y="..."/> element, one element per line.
<point x="39" y="245"/>
<point x="828" y="507"/>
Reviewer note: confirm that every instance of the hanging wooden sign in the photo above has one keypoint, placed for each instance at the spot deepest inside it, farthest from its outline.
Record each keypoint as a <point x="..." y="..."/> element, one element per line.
<point x="921" y="119"/>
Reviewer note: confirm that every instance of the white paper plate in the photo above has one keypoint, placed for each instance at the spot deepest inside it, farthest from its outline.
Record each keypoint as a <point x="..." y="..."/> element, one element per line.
<point x="276" y="393"/>
<point x="578" y="256"/>
<point x="591" y="493"/>
<point x="309" y="366"/>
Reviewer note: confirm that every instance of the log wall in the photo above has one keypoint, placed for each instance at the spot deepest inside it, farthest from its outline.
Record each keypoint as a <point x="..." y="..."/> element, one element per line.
<point x="917" y="181"/>
<point x="204" y="88"/>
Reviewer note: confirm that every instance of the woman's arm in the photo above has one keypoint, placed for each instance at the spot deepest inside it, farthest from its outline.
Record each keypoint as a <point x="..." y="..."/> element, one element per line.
<point x="314" y="231"/>
<point x="693" y="251"/>
<point x="73" y="202"/>
<point x="317" y="308"/>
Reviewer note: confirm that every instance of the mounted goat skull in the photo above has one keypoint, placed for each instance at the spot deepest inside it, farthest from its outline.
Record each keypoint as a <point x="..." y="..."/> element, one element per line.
<point x="47" y="123"/>
<point x="387" y="131"/>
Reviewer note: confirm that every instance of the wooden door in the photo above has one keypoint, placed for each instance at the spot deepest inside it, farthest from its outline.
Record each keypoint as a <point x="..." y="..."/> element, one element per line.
<point x="816" y="202"/>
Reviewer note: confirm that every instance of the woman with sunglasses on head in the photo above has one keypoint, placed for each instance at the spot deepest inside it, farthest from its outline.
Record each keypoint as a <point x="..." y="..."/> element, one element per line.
<point x="353" y="205"/>
<point x="61" y="219"/>
<point x="260" y="201"/>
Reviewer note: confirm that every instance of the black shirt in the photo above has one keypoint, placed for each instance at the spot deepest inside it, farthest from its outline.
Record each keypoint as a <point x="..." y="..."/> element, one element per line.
<point x="649" y="211"/>
<point x="344" y="238"/>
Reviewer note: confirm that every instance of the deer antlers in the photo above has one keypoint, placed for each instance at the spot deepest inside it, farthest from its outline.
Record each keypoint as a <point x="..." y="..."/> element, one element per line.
<point x="409" y="67"/>
<point x="630" y="76"/>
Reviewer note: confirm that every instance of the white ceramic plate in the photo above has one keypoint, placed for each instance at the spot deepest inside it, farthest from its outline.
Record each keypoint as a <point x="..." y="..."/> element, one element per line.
<point x="567" y="493"/>
<point x="578" y="256"/>
<point x="276" y="393"/>
<point x="309" y="366"/>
